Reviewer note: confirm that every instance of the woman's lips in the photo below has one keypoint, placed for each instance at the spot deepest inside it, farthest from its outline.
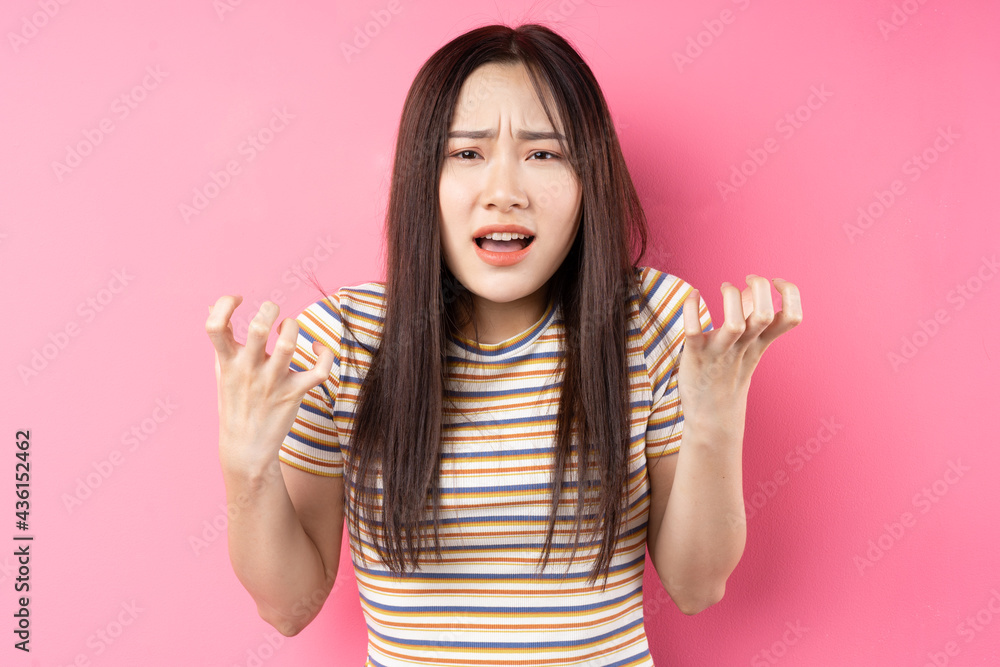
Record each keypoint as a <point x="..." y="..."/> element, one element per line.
<point x="503" y="246"/>
<point x="505" y="257"/>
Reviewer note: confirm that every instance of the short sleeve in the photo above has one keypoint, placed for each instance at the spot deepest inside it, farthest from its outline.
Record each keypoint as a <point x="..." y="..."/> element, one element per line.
<point x="663" y="339"/>
<point x="312" y="444"/>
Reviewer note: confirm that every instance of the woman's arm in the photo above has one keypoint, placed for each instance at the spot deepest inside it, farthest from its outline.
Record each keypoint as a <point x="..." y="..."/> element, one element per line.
<point x="697" y="521"/>
<point x="285" y="532"/>
<point x="285" y="525"/>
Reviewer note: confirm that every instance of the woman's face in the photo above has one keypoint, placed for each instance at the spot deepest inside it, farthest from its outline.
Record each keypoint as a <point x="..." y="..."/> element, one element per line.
<point x="501" y="170"/>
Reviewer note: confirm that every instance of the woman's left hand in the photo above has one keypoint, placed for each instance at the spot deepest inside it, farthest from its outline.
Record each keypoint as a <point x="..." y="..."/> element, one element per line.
<point x="715" y="366"/>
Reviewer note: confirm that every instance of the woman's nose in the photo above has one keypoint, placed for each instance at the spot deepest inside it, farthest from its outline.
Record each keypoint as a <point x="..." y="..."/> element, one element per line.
<point x="503" y="183"/>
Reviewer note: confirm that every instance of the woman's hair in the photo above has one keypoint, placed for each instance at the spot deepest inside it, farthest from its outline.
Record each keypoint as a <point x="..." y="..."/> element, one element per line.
<point x="397" y="424"/>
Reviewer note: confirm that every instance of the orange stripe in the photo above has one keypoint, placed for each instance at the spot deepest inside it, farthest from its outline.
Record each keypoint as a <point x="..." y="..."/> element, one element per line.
<point x="526" y="396"/>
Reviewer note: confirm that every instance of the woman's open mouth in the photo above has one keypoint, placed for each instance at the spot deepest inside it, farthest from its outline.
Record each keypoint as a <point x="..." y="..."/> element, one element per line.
<point x="498" y="242"/>
<point x="503" y="249"/>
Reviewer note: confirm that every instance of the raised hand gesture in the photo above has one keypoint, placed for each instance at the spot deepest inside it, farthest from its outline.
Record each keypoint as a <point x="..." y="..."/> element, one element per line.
<point x="716" y="366"/>
<point x="259" y="395"/>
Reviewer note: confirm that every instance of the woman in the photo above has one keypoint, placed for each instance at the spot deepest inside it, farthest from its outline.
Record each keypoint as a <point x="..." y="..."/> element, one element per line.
<point x="514" y="343"/>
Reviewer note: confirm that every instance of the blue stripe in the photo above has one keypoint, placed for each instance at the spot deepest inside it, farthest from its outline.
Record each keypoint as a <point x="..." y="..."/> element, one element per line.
<point x="506" y="350"/>
<point x="477" y="576"/>
<point x="362" y="315"/>
<point x="377" y="289"/>
<point x="502" y="393"/>
<point x="539" y="419"/>
<point x="489" y="363"/>
<point x="618" y="663"/>
<point x="670" y="423"/>
<point x="329" y="308"/>
<point x="508" y="645"/>
<point x="505" y="610"/>
<point x="584" y="544"/>
<point x="503" y="452"/>
<point x="538" y="451"/>
<point x="625" y="661"/>
<point x="313" y="445"/>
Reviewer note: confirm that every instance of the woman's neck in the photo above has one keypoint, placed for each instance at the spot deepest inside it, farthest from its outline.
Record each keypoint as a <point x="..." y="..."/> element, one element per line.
<point x="500" y="321"/>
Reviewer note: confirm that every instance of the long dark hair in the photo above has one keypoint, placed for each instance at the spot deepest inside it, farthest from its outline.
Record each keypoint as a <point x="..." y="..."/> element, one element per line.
<point x="397" y="424"/>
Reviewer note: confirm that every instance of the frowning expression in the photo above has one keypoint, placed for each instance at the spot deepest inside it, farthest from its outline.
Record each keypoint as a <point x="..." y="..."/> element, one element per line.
<point x="504" y="170"/>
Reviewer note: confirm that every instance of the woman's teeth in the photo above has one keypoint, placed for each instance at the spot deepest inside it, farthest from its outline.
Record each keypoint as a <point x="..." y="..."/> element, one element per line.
<point x="504" y="236"/>
<point x="504" y="241"/>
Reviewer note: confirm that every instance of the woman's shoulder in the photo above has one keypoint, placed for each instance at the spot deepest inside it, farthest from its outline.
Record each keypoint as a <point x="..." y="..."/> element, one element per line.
<point x="658" y="287"/>
<point x="366" y="299"/>
<point x="362" y="309"/>
<point x="359" y="308"/>
<point x="659" y="311"/>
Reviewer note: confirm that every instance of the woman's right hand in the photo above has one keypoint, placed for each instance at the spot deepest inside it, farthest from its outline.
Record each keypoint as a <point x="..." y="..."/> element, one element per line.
<point x="259" y="395"/>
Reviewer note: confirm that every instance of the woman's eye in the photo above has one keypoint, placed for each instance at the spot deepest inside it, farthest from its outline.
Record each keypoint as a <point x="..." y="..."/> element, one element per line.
<point x="460" y="155"/>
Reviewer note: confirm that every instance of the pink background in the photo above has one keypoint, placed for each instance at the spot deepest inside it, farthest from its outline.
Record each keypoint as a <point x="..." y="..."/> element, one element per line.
<point x="889" y="386"/>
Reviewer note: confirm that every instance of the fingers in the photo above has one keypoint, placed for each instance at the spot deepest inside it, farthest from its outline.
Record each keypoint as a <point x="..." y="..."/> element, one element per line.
<point x="761" y="312"/>
<point x="259" y="329"/>
<point x="321" y="370"/>
<point x="284" y="347"/>
<point x="220" y="329"/>
<point x="693" y="335"/>
<point x="748" y="314"/>
<point x="790" y="314"/>
<point x="218" y="383"/>
<point x="284" y="350"/>
<point x="734" y="323"/>
<point x="746" y="298"/>
<point x="306" y="380"/>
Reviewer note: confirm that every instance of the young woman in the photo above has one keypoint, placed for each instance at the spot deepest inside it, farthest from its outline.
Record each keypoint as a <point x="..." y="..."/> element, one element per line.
<point x="499" y="421"/>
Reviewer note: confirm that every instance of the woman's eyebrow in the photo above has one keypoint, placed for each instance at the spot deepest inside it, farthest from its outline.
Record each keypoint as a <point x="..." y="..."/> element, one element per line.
<point x="522" y="135"/>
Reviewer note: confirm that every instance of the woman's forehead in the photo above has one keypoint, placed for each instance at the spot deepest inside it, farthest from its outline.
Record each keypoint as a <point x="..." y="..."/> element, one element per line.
<point x="494" y="91"/>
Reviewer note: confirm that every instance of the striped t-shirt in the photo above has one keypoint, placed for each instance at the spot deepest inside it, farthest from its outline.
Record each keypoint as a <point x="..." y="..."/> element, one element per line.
<point x="485" y="603"/>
